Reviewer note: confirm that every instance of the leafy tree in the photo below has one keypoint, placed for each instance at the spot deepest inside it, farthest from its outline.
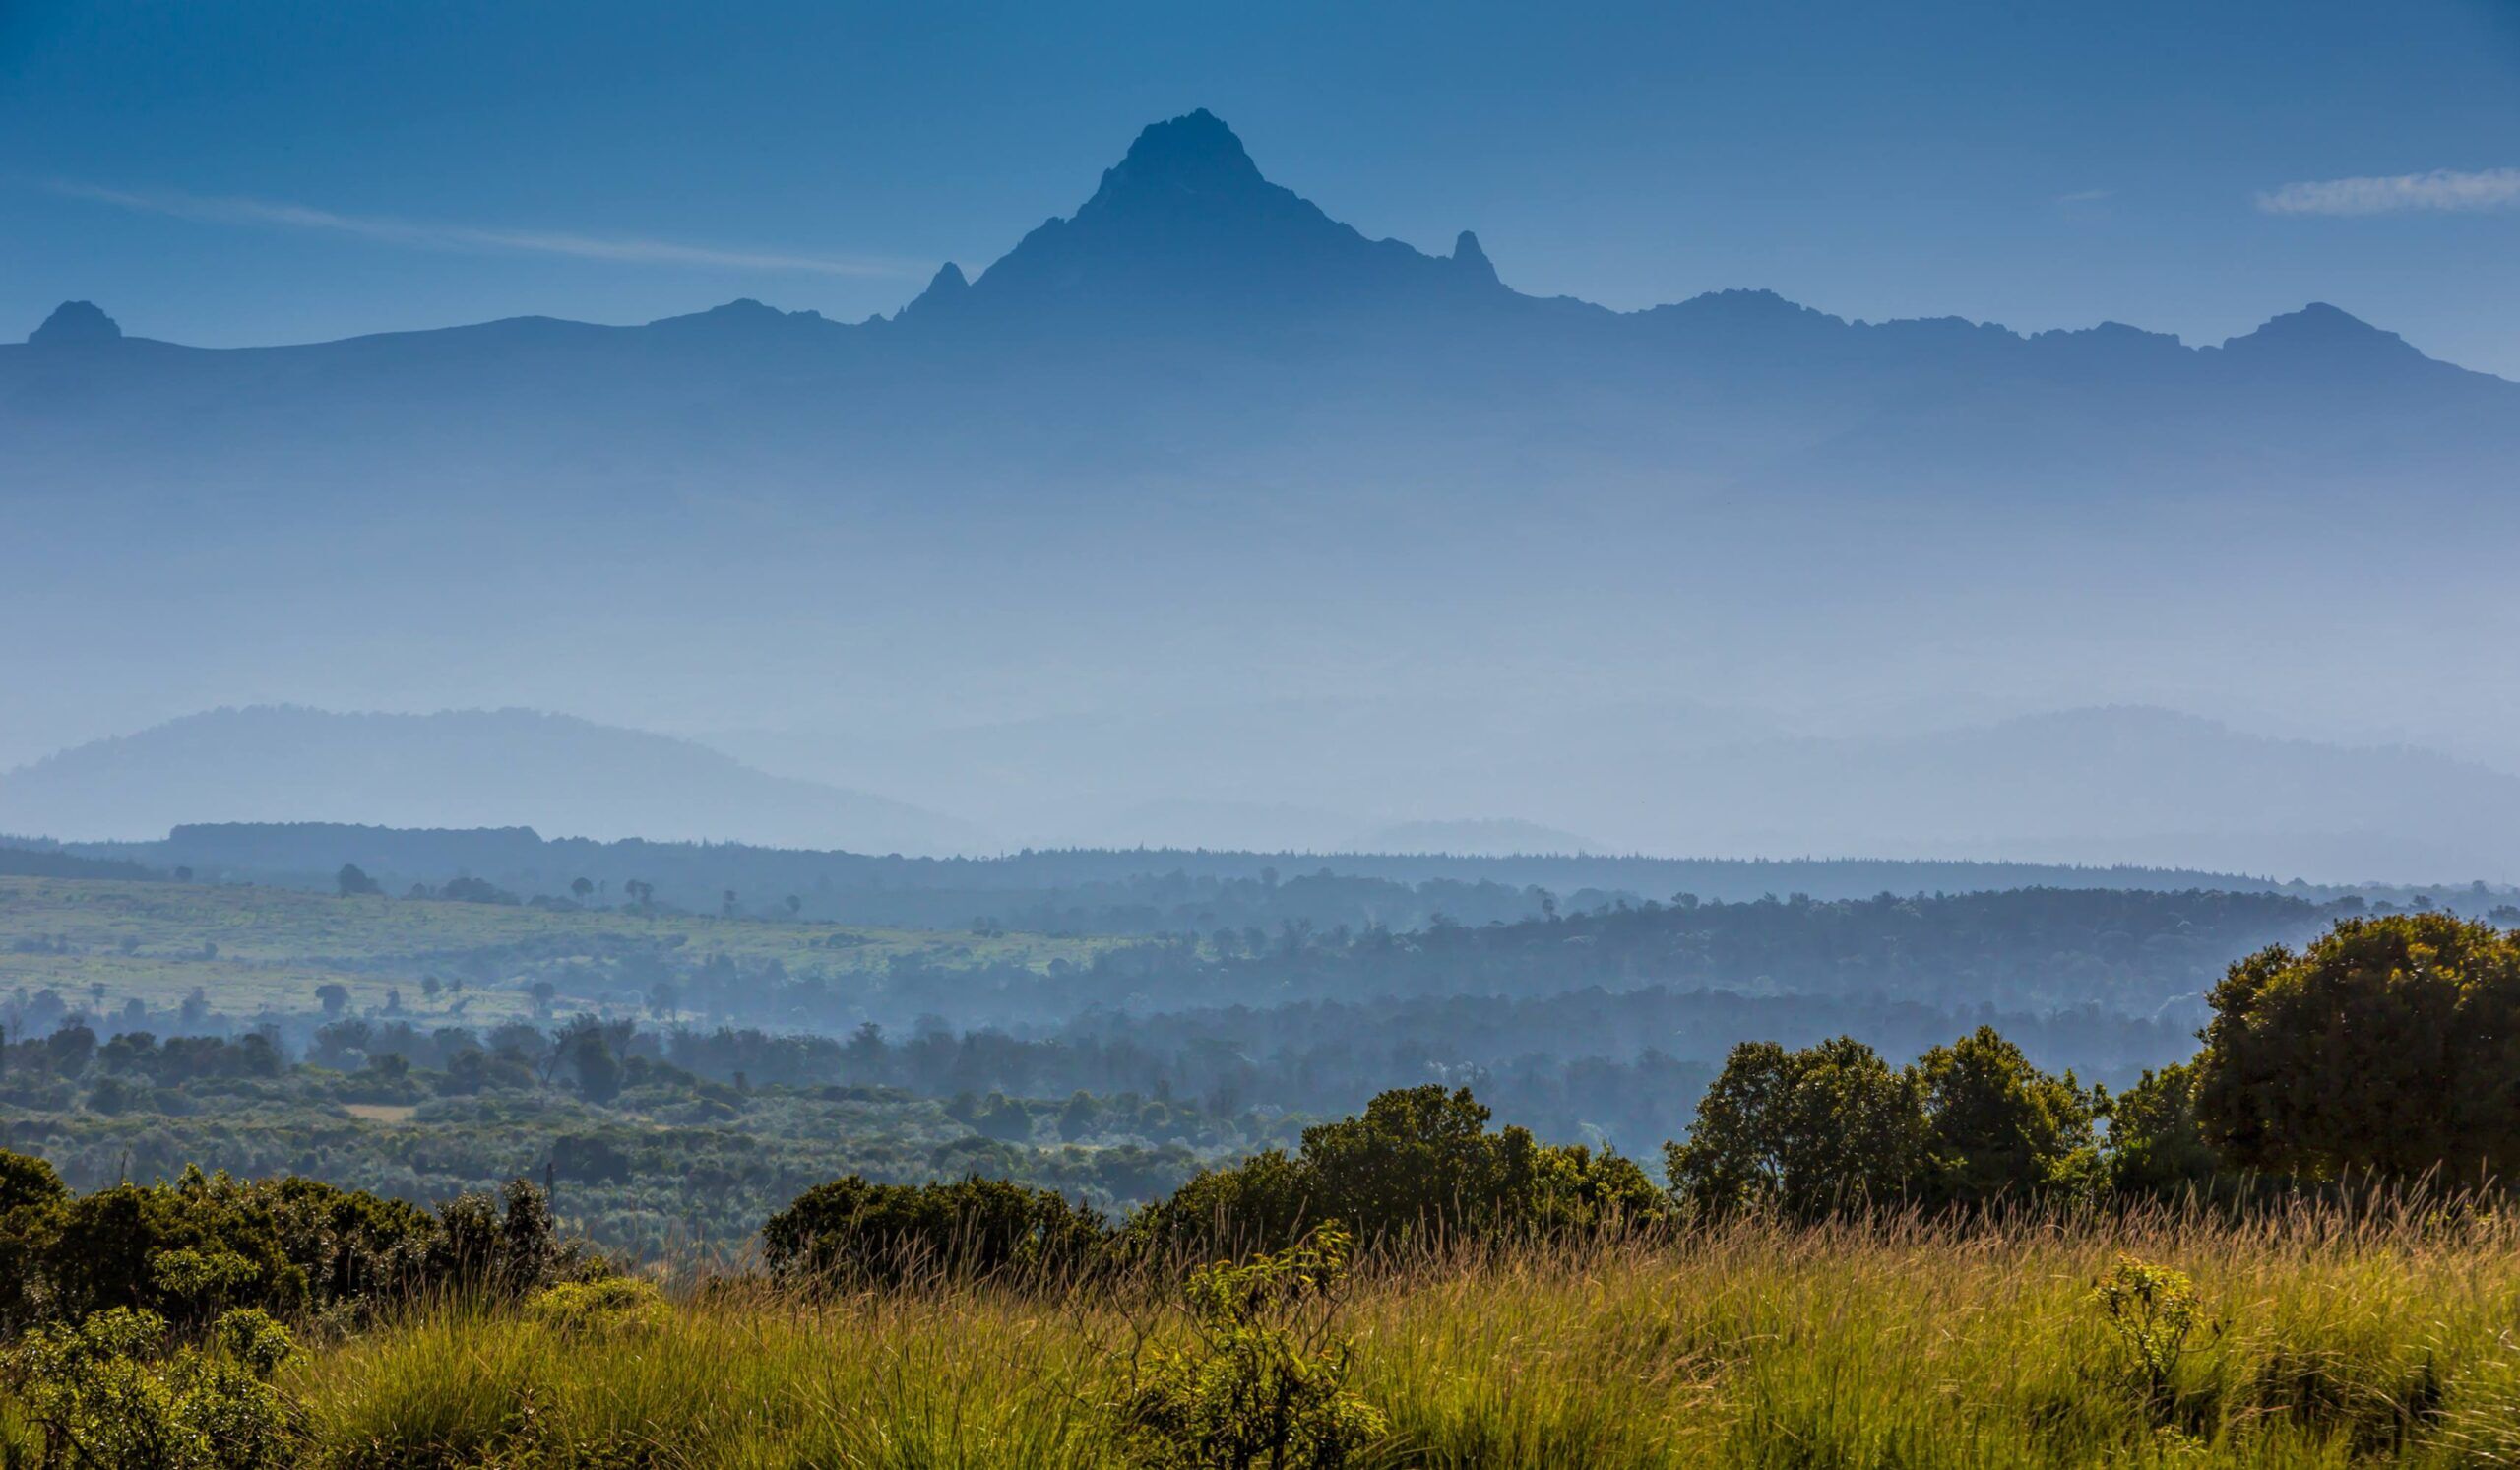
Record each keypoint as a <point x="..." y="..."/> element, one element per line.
<point x="1996" y="1125"/>
<point x="1809" y="1131"/>
<point x="2155" y="1145"/>
<point x="2391" y="1043"/>
<point x="353" y="883"/>
<point x="334" y="997"/>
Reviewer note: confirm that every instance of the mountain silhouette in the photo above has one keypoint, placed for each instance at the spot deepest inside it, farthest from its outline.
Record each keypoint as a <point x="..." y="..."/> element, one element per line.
<point x="1198" y="444"/>
<point x="469" y="768"/>
<point x="1193" y="316"/>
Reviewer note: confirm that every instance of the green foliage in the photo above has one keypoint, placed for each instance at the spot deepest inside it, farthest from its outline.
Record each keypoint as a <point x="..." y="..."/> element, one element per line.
<point x="107" y="1393"/>
<point x="2155" y="1145"/>
<point x="31" y="1198"/>
<point x="1264" y="1381"/>
<point x="1833" y="1127"/>
<point x="1419" y="1160"/>
<point x="1810" y="1131"/>
<point x="2151" y="1311"/>
<point x="857" y="1230"/>
<point x="608" y="1305"/>
<point x="192" y="1251"/>
<point x="1997" y="1125"/>
<point x="2390" y="1045"/>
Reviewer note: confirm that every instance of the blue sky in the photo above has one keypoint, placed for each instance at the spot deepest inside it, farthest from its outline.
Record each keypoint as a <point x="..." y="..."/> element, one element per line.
<point x="232" y="174"/>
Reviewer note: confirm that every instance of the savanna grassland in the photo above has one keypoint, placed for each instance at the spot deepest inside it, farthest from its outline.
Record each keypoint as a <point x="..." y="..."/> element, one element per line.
<point x="254" y="950"/>
<point x="2321" y="1336"/>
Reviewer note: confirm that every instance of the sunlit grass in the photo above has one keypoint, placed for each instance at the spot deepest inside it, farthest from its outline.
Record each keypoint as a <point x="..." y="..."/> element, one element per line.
<point x="2332" y="1339"/>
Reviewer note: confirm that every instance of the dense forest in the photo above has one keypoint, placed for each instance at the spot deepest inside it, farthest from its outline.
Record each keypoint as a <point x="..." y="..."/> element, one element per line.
<point x="1080" y="891"/>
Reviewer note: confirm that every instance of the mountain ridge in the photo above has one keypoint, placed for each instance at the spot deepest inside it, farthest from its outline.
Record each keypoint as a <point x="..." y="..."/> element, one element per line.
<point x="491" y="768"/>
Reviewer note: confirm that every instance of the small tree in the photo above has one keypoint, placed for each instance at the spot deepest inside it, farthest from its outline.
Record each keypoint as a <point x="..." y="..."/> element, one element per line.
<point x="334" y="997"/>
<point x="1810" y="1131"/>
<point x="1999" y="1125"/>
<point x="353" y="882"/>
<point x="2154" y="1143"/>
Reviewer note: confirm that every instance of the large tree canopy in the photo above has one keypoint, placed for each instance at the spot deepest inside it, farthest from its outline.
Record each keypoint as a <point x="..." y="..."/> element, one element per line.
<point x="2390" y="1045"/>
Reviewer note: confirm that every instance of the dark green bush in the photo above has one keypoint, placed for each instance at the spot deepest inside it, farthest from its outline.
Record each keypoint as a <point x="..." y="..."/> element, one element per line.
<point x="1420" y="1161"/>
<point x="854" y="1229"/>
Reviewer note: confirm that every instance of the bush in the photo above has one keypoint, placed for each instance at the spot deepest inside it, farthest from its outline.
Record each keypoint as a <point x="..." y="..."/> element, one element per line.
<point x="1419" y="1160"/>
<point x="31" y="1197"/>
<point x="2151" y="1311"/>
<point x="854" y="1229"/>
<point x="1264" y="1381"/>
<point x="187" y="1252"/>
<point x="612" y="1305"/>
<point x="107" y="1393"/>
<point x="2391" y="1045"/>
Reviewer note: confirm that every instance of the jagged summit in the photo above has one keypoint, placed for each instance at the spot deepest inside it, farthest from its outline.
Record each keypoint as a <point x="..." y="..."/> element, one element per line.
<point x="76" y="322"/>
<point x="1195" y="153"/>
<point x="1185" y="233"/>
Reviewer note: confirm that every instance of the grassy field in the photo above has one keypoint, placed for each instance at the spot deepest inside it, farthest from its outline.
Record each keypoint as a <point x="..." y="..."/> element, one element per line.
<point x="257" y="949"/>
<point x="2324" y="1339"/>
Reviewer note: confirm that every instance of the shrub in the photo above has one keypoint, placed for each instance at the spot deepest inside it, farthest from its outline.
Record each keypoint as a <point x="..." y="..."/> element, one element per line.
<point x="2151" y="1311"/>
<point x="854" y="1230"/>
<point x="1418" y="1158"/>
<point x="1264" y="1381"/>
<point x="107" y="1393"/>
<point x="612" y="1305"/>
<point x="31" y="1197"/>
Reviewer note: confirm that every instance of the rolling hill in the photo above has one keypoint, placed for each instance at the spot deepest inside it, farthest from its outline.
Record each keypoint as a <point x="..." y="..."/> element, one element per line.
<point x="472" y="768"/>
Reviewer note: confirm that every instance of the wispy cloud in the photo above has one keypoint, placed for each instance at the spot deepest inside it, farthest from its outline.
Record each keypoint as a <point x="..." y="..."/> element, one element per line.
<point x="426" y="237"/>
<point x="2085" y="196"/>
<point x="2441" y="189"/>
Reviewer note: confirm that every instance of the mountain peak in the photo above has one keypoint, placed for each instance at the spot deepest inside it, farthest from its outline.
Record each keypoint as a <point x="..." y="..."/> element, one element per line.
<point x="2319" y="330"/>
<point x="1469" y="258"/>
<point x="76" y="322"/>
<point x="1193" y="154"/>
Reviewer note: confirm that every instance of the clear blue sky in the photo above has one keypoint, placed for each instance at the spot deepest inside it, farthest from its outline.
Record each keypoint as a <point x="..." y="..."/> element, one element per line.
<point x="224" y="173"/>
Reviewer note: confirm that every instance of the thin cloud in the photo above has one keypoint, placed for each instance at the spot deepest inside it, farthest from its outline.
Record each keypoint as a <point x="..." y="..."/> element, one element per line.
<point x="387" y="231"/>
<point x="2441" y="189"/>
<point x="2085" y="196"/>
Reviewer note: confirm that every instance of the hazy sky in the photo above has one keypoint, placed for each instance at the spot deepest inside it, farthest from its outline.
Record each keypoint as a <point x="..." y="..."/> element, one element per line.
<point x="229" y="173"/>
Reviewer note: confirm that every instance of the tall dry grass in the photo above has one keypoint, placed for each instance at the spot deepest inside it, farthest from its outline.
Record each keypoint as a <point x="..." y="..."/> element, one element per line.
<point x="2337" y="1333"/>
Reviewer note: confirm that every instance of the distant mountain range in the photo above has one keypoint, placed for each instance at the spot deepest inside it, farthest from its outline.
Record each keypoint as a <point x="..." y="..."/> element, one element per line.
<point x="1200" y="516"/>
<point x="2110" y="786"/>
<point x="502" y="768"/>
<point x="1192" y="316"/>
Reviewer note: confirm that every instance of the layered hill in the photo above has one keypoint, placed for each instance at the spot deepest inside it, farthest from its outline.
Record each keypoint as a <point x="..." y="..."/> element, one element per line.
<point x="503" y="768"/>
